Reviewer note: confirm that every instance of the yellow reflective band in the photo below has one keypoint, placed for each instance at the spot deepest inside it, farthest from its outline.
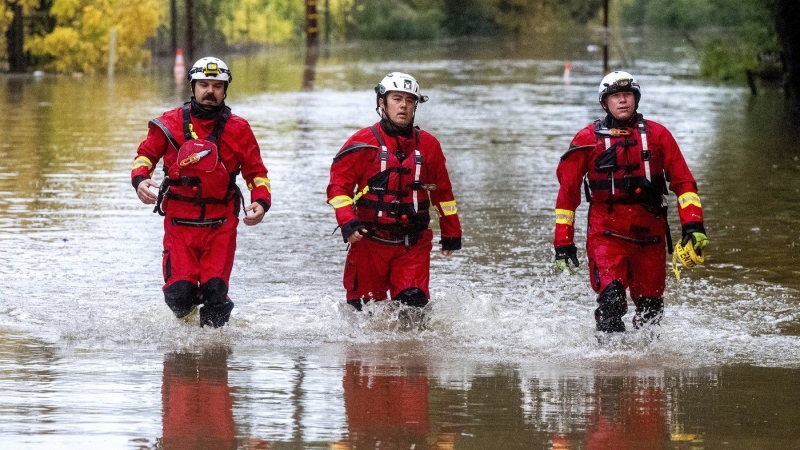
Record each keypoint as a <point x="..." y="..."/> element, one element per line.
<point x="689" y="198"/>
<point x="260" y="181"/>
<point x="191" y="130"/>
<point x="565" y="217"/>
<point x="142" y="161"/>
<point x="448" y="208"/>
<point x="340" y="201"/>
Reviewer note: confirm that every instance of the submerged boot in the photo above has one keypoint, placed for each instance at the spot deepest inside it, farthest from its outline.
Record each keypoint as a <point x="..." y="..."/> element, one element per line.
<point x="411" y="314"/>
<point x="181" y="297"/>
<point x="217" y="306"/>
<point x="612" y="306"/>
<point x="216" y="314"/>
<point x="649" y="311"/>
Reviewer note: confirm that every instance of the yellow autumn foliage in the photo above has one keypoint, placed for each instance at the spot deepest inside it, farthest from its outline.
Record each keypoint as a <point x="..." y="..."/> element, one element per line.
<point x="81" y="39"/>
<point x="253" y="23"/>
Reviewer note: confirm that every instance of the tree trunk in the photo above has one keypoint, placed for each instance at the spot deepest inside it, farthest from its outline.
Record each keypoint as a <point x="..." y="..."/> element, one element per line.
<point x="15" y="40"/>
<point x="787" y="16"/>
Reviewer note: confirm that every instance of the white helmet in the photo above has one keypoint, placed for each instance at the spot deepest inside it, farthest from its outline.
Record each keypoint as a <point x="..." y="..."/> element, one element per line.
<point x="210" y="68"/>
<point x="619" y="81"/>
<point x="399" y="81"/>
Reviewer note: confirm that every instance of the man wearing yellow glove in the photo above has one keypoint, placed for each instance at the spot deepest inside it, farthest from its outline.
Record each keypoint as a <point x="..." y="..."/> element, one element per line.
<point x="624" y="164"/>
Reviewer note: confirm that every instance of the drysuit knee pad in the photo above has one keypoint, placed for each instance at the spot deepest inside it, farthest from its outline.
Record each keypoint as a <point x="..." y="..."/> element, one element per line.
<point x="412" y="297"/>
<point x="181" y="296"/>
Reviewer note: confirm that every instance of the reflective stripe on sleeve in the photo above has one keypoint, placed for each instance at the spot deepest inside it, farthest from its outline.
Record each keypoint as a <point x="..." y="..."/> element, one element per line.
<point x="565" y="217"/>
<point x="142" y="161"/>
<point x="689" y="198"/>
<point x="340" y="201"/>
<point x="448" y="208"/>
<point x="260" y="181"/>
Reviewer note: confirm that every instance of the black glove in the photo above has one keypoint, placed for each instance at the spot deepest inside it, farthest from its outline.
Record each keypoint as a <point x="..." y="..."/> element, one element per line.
<point x="565" y="254"/>
<point x="695" y="232"/>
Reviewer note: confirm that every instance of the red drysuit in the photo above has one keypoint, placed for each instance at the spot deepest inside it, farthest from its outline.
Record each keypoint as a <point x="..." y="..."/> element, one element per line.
<point x="625" y="172"/>
<point x="387" y="183"/>
<point x="201" y="204"/>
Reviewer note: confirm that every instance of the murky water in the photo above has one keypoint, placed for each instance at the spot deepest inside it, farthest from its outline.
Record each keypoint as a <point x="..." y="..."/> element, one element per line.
<point x="91" y="358"/>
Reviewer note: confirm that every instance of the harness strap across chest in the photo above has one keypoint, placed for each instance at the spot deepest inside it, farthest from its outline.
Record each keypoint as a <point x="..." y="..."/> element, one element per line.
<point x="384" y="158"/>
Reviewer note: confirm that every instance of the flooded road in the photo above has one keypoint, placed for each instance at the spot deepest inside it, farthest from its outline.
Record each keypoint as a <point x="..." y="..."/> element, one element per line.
<point x="90" y="356"/>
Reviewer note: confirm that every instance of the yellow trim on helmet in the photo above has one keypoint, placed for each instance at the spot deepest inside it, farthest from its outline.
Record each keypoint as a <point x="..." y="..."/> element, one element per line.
<point x="260" y="181"/>
<point x="448" y="208"/>
<point x="142" y="161"/>
<point x="565" y="217"/>
<point x="689" y="198"/>
<point x="340" y="201"/>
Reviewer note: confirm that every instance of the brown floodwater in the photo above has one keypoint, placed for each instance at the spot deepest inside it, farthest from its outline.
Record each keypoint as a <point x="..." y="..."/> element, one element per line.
<point x="91" y="358"/>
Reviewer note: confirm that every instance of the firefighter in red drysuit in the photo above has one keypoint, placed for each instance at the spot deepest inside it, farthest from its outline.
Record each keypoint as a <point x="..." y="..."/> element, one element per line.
<point x="204" y="147"/>
<point x="625" y="164"/>
<point x="384" y="182"/>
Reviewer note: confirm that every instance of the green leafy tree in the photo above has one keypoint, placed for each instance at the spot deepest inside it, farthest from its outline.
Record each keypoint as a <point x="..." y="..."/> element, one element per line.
<point x="395" y="20"/>
<point x="81" y="40"/>
<point x="747" y="28"/>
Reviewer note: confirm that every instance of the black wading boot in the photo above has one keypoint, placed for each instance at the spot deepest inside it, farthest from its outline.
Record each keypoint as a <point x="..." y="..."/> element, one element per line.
<point x="181" y="297"/>
<point x="612" y="306"/>
<point x="649" y="311"/>
<point x="411" y="314"/>
<point x="217" y="306"/>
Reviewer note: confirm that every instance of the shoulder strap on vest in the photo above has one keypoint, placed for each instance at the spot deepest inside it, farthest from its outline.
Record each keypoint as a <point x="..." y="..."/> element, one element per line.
<point x="352" y="148"/>
<point x="378" y="136"/>
<point x="167" y="133"/>
<point x="187" y="122"/>
<point x="218" y="127"/>
<point x="221" y="122"/>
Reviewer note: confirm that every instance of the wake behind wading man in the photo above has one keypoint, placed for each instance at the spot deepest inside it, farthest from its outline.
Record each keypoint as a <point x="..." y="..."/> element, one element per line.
<point x="384" y="182"/>
<point x="204" y="147"/>
<point x="624" y="164"/>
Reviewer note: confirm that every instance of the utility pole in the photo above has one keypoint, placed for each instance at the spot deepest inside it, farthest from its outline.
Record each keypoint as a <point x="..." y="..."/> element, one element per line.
<point x="190" y="30"/>
<point x="312" y="30"/>
<point x="312" y="45"/>
<point x="327" y="22"/>
<point x="173" y="25"/>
